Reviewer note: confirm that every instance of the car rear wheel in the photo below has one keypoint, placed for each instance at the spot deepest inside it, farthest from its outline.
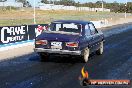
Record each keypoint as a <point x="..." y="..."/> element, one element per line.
<point x="85" y="54"/>
<point x="101" y="49"/>
<point x="44" y="57"/>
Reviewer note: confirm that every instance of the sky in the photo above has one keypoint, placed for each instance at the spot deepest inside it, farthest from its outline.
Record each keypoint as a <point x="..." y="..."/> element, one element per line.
<point x="82" y="1"/>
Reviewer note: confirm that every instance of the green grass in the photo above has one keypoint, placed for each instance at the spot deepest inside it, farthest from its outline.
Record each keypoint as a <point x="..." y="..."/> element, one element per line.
<point x="15" y="22"/>
<point x="19" y="17"/>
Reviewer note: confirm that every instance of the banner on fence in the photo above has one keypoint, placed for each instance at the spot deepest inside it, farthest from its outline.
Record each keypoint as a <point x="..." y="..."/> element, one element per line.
<point x="12" y="34"/>
<point x="35" y="30"/>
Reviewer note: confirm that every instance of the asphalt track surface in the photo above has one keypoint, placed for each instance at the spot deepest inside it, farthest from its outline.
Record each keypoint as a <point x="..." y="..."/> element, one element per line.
<point x="63" y="72"/>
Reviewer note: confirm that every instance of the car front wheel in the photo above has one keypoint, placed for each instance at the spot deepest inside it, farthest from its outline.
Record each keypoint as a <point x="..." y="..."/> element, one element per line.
<point x="86" y="54"/>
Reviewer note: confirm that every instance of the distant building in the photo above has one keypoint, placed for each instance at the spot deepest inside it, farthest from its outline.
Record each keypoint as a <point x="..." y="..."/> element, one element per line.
<point x="13" y="4"/>
<point x="62" y="7"/>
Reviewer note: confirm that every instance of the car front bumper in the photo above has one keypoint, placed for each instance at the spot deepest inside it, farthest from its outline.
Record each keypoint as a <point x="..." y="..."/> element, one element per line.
<point x="40" y="50"/>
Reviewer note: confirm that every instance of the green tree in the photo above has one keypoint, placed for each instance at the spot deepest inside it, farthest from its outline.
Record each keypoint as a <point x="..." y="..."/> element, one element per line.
<point x="67" y="2"/>
<point x="3" y="0"/>
<point x="45" y="1"/>
<point x="129" y="7"/>
<point x="25" y="3"/>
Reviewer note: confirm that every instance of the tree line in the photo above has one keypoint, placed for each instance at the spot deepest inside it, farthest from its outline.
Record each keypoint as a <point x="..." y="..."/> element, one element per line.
<point x="114" y="7"/>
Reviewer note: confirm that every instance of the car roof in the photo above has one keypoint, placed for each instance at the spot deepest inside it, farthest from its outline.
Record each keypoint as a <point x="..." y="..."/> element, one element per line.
<point x="72" y="21"/>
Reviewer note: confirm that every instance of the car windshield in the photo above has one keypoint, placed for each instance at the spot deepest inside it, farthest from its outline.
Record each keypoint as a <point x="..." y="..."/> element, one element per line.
<point x="66" y="27"/>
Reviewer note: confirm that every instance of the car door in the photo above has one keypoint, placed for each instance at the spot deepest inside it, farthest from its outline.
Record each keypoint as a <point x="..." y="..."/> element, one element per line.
<point x="94" y="43"/>
<point x="87" y="38"/>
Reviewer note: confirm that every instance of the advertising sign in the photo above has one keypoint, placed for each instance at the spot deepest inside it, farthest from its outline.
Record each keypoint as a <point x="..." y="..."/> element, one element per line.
<point x="12" y="34"/>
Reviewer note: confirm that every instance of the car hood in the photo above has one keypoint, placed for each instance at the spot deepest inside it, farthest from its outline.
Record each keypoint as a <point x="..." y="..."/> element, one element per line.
<point x="68" y="37"/>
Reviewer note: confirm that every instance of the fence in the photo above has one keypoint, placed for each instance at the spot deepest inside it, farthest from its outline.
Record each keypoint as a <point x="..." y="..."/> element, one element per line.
<point x="13" y="34"/>
<point x="62" y="7"/>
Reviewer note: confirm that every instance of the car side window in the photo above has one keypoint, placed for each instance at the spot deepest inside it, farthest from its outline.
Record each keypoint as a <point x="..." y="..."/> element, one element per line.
<point x="92" y="29"/>
<point x="87" y="30"/>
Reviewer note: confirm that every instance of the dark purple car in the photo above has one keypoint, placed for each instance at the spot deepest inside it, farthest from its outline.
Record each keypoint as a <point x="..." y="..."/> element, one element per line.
<point x="69" y="37"/>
